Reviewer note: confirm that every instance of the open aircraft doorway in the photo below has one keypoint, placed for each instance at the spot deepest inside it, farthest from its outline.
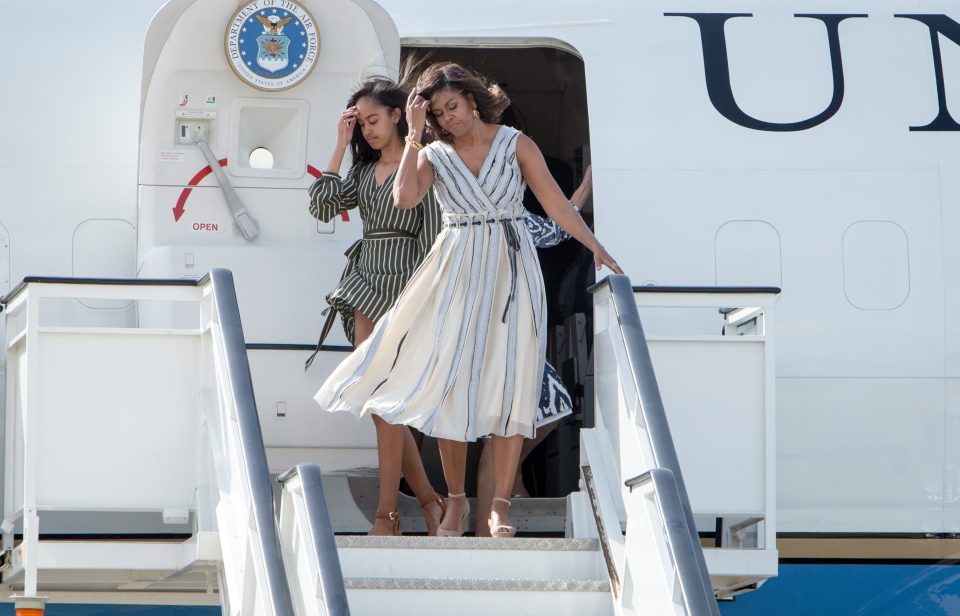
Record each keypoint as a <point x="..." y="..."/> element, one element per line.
<point x="546" y="84"/>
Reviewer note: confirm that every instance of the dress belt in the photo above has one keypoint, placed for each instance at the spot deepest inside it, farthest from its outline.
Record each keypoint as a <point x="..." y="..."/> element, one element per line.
<point x="481" y="218"/>
<point x="388" y="234"/>
<point x="510" y="235"/>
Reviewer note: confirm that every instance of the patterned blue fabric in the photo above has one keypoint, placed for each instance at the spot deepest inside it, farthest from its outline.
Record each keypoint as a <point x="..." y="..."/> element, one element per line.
<point x="555" y="402"/>
<point x="545" y="232"/>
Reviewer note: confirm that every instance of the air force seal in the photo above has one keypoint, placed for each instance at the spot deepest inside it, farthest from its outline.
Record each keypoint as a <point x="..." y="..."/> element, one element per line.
<point x="272" y="44"/>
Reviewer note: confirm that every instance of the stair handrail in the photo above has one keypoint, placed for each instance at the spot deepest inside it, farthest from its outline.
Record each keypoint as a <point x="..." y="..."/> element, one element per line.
<point x="691" y="567"/>
<point x="320" y="537"/>
<point x="23" y="302"/>
<point x="226" y="311"/>
<point x="224" y="325"/>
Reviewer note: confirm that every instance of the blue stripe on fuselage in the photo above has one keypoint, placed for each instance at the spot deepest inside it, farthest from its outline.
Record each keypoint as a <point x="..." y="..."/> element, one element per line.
<point x="848" y="589"/>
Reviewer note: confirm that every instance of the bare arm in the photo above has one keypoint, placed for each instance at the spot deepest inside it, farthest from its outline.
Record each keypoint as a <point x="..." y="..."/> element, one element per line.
<point x="345" y="127"/>
<point x="545" y="188"/>
<point x="414" y="178"/>
<point x="582" y="194"/>
<point x="415" y="175"/>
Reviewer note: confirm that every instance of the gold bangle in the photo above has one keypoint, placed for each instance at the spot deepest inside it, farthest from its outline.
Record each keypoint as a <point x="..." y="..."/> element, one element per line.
<point x="416" y="145"/>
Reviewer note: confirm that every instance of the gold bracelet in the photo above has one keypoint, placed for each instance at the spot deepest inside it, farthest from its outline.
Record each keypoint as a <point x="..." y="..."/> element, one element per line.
<point x="416" y="145"/>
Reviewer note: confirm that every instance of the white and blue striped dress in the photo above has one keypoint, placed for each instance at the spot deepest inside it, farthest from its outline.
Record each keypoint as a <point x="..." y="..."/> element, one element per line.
<point x="461" y="354"/>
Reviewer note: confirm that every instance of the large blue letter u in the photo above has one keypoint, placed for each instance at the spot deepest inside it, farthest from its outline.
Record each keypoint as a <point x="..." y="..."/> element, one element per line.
<point x="717" y="70"/>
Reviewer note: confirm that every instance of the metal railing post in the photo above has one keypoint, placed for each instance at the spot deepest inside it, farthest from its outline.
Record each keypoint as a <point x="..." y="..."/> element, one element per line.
<point x="322" y="540"/>
<point x="251" y="438"/>
<point x="693" y="573"/>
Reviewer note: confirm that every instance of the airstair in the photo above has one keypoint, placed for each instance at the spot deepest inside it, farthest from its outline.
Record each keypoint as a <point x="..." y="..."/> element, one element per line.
<point x="135" y="472"/>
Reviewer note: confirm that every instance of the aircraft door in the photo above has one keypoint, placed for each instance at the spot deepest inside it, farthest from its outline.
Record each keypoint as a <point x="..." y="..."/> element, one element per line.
<point x="260" y="83"/>
<point x="238" y="117"/>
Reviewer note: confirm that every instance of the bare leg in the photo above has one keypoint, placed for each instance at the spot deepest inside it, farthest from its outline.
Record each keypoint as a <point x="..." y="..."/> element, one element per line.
<point x="397" y="453"/>
<point x="453" y="455"/>
<point x="417" y="479"/>
<point x="484" y="490"/>
<point x="389" y="455"/>
<point x="506" y="454"/>
<point x="485" y="477"/>
<point x="362" y="327"/>
<point x="389" y="447"/>
<point x="528" y="446"/>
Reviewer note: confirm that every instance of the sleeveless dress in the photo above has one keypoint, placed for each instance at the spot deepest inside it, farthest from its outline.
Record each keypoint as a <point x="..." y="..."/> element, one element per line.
<point x="461" y="354"/>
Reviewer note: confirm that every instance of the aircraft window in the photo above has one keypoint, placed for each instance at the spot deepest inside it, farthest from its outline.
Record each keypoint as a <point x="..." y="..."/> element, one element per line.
<point x="261" y="158"/>
<point x="747" y="253"/>
<point x="876" y="265"/>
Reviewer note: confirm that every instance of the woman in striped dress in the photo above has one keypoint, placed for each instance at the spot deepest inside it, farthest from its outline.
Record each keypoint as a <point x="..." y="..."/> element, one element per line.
<point x="393" y="245"/>
<point x="461" y="354"/>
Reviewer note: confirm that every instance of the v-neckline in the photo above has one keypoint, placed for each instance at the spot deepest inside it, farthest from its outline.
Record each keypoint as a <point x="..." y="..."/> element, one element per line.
<point x="486" y="158"/>
<point x="385" y="180"/>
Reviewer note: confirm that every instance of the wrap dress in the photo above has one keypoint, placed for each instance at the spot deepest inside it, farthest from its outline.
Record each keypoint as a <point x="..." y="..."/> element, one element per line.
<point x="460" y="355"/>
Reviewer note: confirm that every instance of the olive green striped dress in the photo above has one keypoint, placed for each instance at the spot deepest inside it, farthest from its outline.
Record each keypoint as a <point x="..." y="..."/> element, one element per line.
<point x="393" y="245"/>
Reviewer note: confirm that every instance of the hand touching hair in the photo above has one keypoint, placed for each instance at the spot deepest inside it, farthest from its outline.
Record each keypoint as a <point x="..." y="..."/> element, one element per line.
<point x="489" y="98"/>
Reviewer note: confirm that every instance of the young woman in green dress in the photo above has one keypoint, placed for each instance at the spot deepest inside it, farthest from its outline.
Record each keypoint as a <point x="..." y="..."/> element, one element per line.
<point x="393" y="245"/>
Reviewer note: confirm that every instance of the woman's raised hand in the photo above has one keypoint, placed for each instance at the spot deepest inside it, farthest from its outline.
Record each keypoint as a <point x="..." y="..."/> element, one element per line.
<point x="348" y="121"/>
<point x="587" y="182"/>
<point x="582" y="194"/>
<point x="416" y="113"/>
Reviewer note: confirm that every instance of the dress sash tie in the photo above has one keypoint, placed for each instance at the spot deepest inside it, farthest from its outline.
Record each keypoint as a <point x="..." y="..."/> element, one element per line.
<point x="508" y="220"/>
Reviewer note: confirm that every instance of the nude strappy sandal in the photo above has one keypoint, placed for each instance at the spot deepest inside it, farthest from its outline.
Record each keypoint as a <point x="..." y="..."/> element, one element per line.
<point x="501" y="531"/>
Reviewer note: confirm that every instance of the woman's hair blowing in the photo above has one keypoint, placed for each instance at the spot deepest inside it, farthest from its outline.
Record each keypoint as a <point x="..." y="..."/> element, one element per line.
<point x="385" y="93"/>
<point x="489" y="98"/>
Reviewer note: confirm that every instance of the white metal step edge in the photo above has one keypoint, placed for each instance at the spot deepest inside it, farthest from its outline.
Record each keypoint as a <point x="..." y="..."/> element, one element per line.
<point x="513" y="585"/>
<point x="525" y="544"/>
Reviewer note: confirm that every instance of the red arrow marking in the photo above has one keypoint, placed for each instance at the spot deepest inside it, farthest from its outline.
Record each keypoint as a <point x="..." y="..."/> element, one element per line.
<point x="182" y="201"/>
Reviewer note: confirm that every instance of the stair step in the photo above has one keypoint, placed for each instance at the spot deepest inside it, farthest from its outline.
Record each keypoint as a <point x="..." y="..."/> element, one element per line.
<point x="508" y="585"/>
<point x="532" y="544"/>
<point x="484" y="560"/>
<point x="531" y="515"/>
<point x="473" y="597"/>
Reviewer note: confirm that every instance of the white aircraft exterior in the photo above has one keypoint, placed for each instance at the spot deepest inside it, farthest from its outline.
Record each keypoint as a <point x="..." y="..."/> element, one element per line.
<point x="804" y="145"/>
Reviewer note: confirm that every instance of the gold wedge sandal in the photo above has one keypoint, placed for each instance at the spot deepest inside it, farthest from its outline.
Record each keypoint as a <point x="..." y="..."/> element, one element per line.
<point x="463" y="518"/>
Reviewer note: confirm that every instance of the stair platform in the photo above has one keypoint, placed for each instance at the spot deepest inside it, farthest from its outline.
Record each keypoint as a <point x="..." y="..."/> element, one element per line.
<point x="474" y="575"/>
